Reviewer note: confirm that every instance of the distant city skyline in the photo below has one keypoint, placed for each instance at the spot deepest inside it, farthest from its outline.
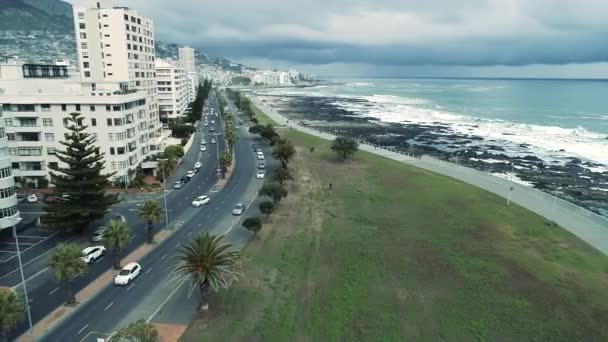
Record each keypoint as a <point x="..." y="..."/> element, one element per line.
<point x="487" y="38"/>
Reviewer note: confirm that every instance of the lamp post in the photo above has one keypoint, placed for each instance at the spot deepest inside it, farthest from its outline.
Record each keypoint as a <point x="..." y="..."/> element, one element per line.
<point x="16" y="221"/>
<point x="162" y="170"/>
<point x="555" y="201"/>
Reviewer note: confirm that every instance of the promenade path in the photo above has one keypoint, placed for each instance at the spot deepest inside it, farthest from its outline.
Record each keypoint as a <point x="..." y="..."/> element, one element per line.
<point x="588" y="226"/>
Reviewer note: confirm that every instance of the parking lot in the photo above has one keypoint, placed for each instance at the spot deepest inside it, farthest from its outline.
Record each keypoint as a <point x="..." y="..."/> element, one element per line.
<point x="28" y="240"/>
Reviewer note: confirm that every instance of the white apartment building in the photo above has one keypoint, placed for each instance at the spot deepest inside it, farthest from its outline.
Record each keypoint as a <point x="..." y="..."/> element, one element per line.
<point x="193" y="81"/>
<point x="37" y="99"/>
<point x="116" y="45"/>
<point x="172" y="89"/>
<point x="187" y="59"/>
<point x="270" y="77"/>
<point x="9" y="213"/>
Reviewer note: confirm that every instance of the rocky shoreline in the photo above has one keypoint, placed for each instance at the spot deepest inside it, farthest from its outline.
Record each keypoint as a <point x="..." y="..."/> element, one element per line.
<point x="572" y="179"/>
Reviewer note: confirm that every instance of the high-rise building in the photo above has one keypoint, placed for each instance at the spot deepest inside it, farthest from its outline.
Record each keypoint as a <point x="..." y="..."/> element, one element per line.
<point x="8" y="198"/>
<point x="116" y="45"/>
<point x="193" y="82"/>
<point x="172" y="89"/>
<point x="187" y="59"/>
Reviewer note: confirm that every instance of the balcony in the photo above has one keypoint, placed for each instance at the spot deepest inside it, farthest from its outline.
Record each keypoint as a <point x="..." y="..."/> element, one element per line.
<point x="26" y="143"/>
<point x="30" y="173"/>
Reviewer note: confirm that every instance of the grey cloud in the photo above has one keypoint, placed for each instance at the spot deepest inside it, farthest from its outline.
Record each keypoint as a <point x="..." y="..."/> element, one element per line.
<point x="389" y="32"/>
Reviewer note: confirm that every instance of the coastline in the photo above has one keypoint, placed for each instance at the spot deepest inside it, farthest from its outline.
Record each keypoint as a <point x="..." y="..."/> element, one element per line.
<point x="583" y="223"/>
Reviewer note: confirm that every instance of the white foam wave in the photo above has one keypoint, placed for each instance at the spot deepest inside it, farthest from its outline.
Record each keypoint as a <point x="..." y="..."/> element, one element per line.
<point x="359" y="84"/>
<point x="594" y="117"/>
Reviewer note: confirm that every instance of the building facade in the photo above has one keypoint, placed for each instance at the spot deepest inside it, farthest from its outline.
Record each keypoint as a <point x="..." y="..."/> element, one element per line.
<point x="116" y="45"/>
<point x="172" y="88"/>
<point x="187" y="59"/>
<point x="35" y="103"/>
<point x="9" y="213"/>
<point x="193" y="82"/>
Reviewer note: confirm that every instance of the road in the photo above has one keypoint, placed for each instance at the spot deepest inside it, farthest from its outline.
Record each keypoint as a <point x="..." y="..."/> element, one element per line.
<point x="114" y="306"/>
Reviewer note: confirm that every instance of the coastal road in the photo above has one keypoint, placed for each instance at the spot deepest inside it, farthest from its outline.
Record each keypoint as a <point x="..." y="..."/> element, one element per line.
<point x="45" y="293"/>
<point x="116" y="306"/>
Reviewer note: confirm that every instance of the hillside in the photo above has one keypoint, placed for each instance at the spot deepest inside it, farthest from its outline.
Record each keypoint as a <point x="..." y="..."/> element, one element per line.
<point x="36" y="15"/>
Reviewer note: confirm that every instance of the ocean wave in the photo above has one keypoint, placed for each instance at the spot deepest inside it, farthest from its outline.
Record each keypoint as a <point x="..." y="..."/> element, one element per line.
<point x="359" y="84"/>
<point x="593" y="117"/>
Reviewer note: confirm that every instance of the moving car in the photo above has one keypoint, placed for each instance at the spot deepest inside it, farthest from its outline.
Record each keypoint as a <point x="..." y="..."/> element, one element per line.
<point x="211" y="129"/>
<point x="260" y="174"/>
<point x="92" y="254"/>
<point x="239" y="209"/>
<point x="178" y="184"/>
<point x="262" y="165"/>
<point x="32" y="198"/>
<point x="199" y="201"/>
<point x="203" y="148"/>
<point x="98" y="235"/>
<point x="127" y="274"/>
<point x="203" y="142"/>
<point x="190" y="174"/>
<point x="206" y="124"/>
<point x="198" y="165"/>
<point x="213" y="140"/>
<point x="212" y="121"/>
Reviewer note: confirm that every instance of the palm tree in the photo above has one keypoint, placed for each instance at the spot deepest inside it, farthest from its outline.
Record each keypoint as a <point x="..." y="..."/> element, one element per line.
<point x="150" y="212"/>
<point x="11" y="312"/>
<point x="66" y="264"/>
<point x="281" y="175"/>
<point x="231" y="138"/>
<point x="284" y="151"/>
<point x="225" y="162"/>
<point x="209" y="263"/>
<point x="116" y="236"/>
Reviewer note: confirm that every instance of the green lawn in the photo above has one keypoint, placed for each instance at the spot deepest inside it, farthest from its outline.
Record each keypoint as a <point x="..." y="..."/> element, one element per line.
<point x="395" y="253"/>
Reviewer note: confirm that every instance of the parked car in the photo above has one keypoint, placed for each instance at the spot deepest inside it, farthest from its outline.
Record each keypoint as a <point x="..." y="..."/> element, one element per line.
<point x="254" y="147"/>
<point x="262" y="165"/>
<point x="203" y="148"/>
<point x="54" y="199"/>
<point x="260" y="157"/>
<point x="127" y="274"/>
<point x="190" y="174"/>
<point x="259" y="150"/>
<point x="32" y="198"/>
<point x="98" y="235"/>
<point x="92" y="254"/>
<point x="198" y="165"/>
<point x="239" y="209"/>
<point x="178" y="184"/>
<point x="21" y="198"/>
<point x="200" y="201"/>
<point x="260" y="174"/>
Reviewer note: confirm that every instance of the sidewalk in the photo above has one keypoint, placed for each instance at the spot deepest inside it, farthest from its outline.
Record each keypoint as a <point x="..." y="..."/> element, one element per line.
<point x="588" y="226"/>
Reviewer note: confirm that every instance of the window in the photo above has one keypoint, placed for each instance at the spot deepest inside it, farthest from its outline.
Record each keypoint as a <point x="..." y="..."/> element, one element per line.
<point x="120" y="150"/>
<point x="83" y="35"/>
<point x="49" y="137"/>
<point x="107" y="45"/>
<point x="47" y="122"/>
<point x="65" y="122"/>
<point x="29" y="151"/>
<point x="106" y="35"/>
<point x="122" y="164"/>
<point x="64" y="107"/>
<point x="85" y="65"/>
<point x="78" y="107"/>
<point x="53" y="165"/>
<point x="80" y="15"/>
<point x="12" y="151"/>
<point x="15" y="166"/>
<point x="87" y="74"/>
<point x="109" y="121"/>
<point x="8" y="212"/>
<point x="112" y="151"/>
<point x="45" y="107"/>
<point x="84" y="45"/>
<point x="111" y="136"/>
<point x="8" y="122"/>
<point x="120" y="136"/>
<point x="108" y="108"/>
<point x="126" y="17"/>
<point x="81" y="26"/>
<point x="85" y="54"/>
<point x="6" y="193"/>
<point x="92" y="108"/>
<point x="51" y="150"/>
<point x="105" y="15"/>
<point x="6" y="172"/>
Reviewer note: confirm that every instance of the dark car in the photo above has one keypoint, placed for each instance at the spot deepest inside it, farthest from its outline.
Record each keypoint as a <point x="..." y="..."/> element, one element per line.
<point x="254" y="147"/>
<point x="21" y="198"/>
<point x="53" y="199"/>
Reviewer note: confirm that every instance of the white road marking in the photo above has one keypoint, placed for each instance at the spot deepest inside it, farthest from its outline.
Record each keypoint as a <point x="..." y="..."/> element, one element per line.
<point x="107" y="307"/>
<point x="33" y="237"/>
<point x="163" y="257"/>
<point x="79" y="331"/>
<point x="27" y="249"/>
<point x="5" y="251"/>
<point x="32" y="277"/>
<point x="132" y="236"/>
<point x="190" y="233"/>
<point x="55" y="290"/>
<point x="165" y="301"/>
<point x="148" y="270"/>
<point x="130" y="286"/>
<point x="20" y="243"/>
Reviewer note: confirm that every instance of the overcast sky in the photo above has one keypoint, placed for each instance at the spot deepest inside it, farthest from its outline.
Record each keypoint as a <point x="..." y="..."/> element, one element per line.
<point x="536" y="38"/>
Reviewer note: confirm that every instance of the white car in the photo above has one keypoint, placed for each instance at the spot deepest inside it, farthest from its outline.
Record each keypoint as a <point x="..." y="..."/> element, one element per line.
<point x="127" y="274"/>
<point x="260" y="174"/>
<point x="32" y="198"/>
<point x="199" y="201"/>
<point x="98" y="235"/>
<point x="260" y="157"/>
<point x="213" y="140"/>
<point x="212" y="121"/>
<point x="198" y="165"/>
<point x="92" y="254"/>
<point x="206" y="124"/>
<point x="203" y="142"/>
<point x="203" y="148"/>
<point x="190" y="174"/>
<point x="239" y="209"/>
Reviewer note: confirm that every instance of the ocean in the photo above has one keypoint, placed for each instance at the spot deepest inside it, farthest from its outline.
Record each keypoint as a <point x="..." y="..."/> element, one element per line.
<point x="558" y="119"/>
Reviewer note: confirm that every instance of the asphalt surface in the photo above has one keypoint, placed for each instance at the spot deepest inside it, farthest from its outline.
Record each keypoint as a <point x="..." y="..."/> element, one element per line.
<point x="154" y="289"/>
<point x="44" y="292"/>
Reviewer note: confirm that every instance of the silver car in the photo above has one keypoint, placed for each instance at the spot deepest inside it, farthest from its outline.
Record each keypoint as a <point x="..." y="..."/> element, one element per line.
<point x="239" y="209"/>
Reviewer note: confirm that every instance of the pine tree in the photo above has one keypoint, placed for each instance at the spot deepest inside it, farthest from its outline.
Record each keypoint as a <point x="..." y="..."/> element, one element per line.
<point x="81" y="181"/>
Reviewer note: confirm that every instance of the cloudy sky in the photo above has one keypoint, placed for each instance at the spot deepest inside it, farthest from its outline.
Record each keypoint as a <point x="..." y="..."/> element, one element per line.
<point x="535" y="38"/>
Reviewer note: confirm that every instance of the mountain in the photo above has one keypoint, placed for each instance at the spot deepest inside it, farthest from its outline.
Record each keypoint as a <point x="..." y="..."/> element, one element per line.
<point x="38" y="31"/>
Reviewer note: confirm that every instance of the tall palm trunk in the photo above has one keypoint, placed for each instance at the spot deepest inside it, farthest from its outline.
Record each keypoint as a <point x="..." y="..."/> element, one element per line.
<point x="204" y="290"/>
<point x="150" y="235"/>
<point x="117" y="258"/>
<point x="70" y="291"/>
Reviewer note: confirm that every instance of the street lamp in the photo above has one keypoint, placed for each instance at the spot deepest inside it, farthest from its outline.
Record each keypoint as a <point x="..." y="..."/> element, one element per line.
<point x="162" y="170"/>
<point x="16" y="221"/>
<point x="555" y="201"/>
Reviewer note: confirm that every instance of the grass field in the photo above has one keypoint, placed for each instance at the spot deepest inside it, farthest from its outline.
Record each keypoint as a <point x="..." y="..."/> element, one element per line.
<point x="395" y="253"/>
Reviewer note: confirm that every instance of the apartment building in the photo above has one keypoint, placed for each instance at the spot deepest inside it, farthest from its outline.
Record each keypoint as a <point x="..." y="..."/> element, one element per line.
<point x="172" y="89"/>
<point x="9" y="213"/>
<point x="193" y="82"/>
<point x="187" y="59"/>
<point x="37" y="99"/>
<point x="116" y="45"/>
